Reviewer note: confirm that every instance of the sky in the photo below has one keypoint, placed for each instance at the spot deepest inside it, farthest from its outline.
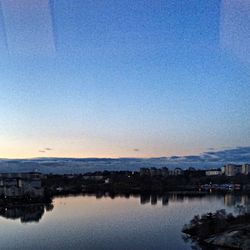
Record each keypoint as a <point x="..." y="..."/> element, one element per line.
<point x="123" y="78"/>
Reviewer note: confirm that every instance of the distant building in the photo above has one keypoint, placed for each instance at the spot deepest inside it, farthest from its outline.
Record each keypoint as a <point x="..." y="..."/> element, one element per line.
<point x="164" y="172"/>
<point x="191" y="169"/>
<point x="245" y="169"/>
<point x="93" y="177"/>
<point x="144" y="171"/>
<point x="223" y="170"/>
<point x="155" y="171"/>
<point x="178" y="171"/>
<point x="232" y="169"/>
<point x="21" y="184"/>
<point x="213" y="172"/>
<point x="171" y="172"/>
<point x="107" y="181"/>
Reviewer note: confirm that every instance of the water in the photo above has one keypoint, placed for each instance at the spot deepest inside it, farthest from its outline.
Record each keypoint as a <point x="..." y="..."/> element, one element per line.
<point x="88" y="222"/>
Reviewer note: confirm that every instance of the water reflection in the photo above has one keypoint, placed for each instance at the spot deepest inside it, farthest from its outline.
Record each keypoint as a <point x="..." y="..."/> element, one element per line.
<point x="25" y="212"/>
<point x="240" y="202"/>
<point x="229" y="199"/>
<point x="109" y="221"/>
<point x="34" y="212"/>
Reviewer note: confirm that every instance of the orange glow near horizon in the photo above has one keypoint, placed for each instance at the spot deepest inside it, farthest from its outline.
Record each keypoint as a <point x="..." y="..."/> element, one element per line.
<point x="30" y="151"/>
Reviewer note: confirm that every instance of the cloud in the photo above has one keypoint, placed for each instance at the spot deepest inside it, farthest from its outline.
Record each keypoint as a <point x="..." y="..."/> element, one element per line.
<point x="227" y="155"/>
<point x="174" y="157"/>
<point x="136" y="149"/>
<point x="205" y="160"/>
<point x="44" y="150"/>
<point x="211" y="149"/>
<point x="238" y="154"/>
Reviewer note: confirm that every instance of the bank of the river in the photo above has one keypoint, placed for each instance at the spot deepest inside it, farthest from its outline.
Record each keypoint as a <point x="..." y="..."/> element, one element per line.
<point x="220" y="230"/>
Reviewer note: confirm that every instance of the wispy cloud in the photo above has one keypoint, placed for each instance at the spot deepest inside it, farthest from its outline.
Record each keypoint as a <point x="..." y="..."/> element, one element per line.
<point x="44" y="150"/>
<point x="238" y="154"/>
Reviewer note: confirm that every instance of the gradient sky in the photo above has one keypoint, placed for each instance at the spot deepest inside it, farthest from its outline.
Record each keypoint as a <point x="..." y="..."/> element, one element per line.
<point x="123" y="78"/>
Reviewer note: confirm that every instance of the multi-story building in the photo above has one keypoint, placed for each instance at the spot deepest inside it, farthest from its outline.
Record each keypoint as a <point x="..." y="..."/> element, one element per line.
<point x="21" y="184"/>
<point x="232" y="169"/>
<point x="154" y="171"/>
<point x="213" y="172"/>
<point x="164" y="172"/>
<point x="178" y="171"/>
<point x="144" y="171"/>
<point x="245" y="169"/>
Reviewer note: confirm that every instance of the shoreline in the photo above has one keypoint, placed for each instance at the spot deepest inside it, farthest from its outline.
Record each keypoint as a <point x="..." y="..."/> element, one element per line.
<point x="220" y="229"/>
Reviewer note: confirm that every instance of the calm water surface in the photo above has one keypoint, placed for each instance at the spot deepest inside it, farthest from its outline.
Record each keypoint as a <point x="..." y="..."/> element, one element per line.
<point x="87" y="222"/>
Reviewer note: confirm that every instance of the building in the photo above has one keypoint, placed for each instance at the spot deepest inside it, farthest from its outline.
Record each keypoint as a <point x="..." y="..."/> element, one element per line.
<point x="245" y="169"/>
<point x="21" y="184"/>
<point x="191" y="169"/>
<point x="93" y="177"/>
<point x="164" y="172"/>
<point x="171" y="172"/>
<point x="232" y="169"/>
<point x="144" y="171"/>
<point x="155" y="172"/>
<point x="213" y="172"/>
<point x="223" y="170"/>
<point x="178" y="171"/>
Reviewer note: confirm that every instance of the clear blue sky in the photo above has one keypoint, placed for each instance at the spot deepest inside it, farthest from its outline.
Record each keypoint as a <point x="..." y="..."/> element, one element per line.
<point x="123" y="78"/>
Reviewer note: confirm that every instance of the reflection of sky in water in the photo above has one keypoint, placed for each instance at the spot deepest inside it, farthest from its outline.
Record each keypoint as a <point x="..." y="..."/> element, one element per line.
<point x="105" y="223"/>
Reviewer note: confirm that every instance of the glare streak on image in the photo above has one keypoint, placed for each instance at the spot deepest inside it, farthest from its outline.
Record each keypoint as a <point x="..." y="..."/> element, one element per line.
<point x="235" y="28"/>
<point x="28" y="26"/>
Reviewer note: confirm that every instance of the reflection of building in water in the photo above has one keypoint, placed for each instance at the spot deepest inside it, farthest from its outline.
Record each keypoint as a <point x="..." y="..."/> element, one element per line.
<point x="176" y="197"/>
<point x="153" y="199"/>
<point x="26" y="213"/>
<point x="21" y="184"/>
<point x="145" y="198"/>
<point x="165" y="200"/>
<point x="245" y="201"/>
<point x="229" y="200"/>
<point x="234" y="200"/>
